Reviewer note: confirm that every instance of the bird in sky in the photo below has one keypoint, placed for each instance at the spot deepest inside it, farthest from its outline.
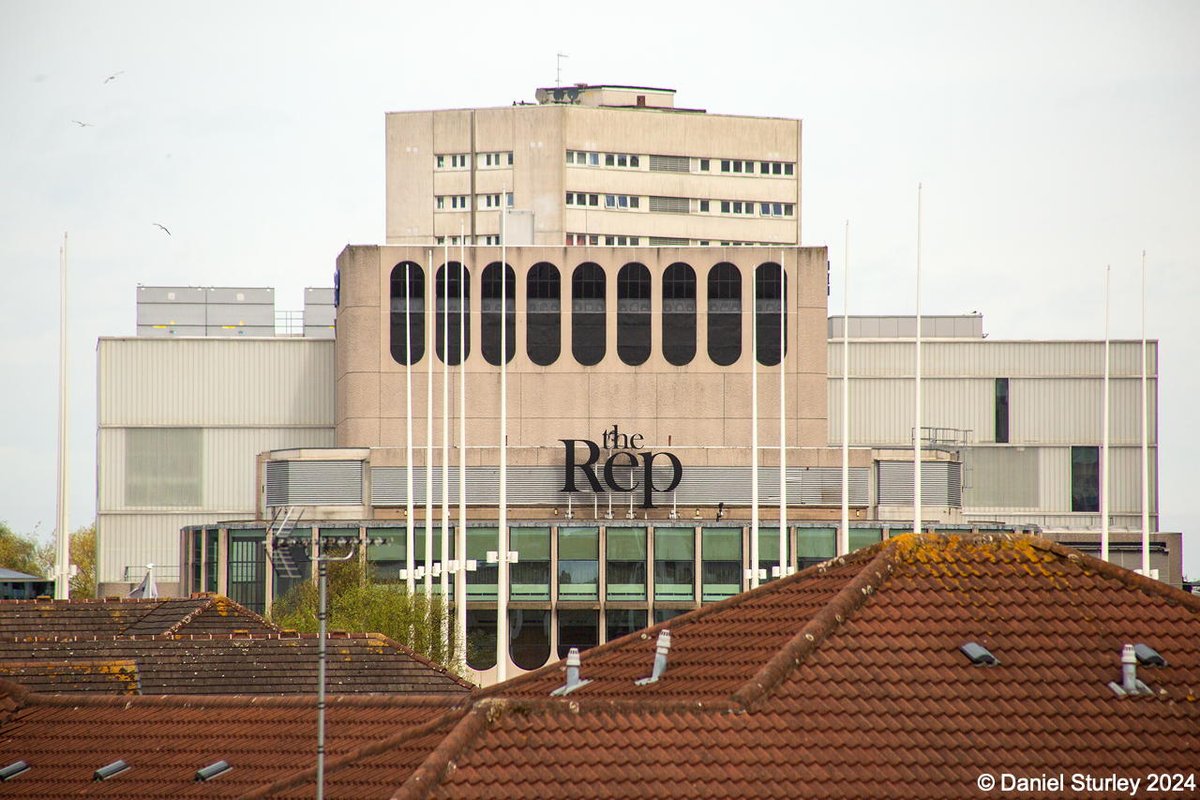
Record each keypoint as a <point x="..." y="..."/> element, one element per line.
<point x="83" y="124"/>
<point x="164" y="227"/>
<point x="113" y="77"/>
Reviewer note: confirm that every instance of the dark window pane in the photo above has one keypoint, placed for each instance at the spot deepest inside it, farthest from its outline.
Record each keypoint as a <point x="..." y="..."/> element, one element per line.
<point x="448" y="297"/>
<point x="721" y="571"/>
<point x="633" y="314"/>
<point x="247" y="569"/>
<point x="481" y="639"/>
<point x="530" y="645"/>
<point x="1085" y="479"/>
<point x="490" y="339"/>
<point x="587" y="314"/>
<point x="770" y="289"/>
<point x="622" y="623"/>
<point x="577" y="628"/>
<point x="664" y="614"/>
<point x="1001" y="410"/>
<point x="724" y="314"/>
<point x="210" y="575"/>
<point x="814" y="546"/>
<point x="543" y="320"/>
<point x="679" y="314"/>
<point x="412" y="301"/>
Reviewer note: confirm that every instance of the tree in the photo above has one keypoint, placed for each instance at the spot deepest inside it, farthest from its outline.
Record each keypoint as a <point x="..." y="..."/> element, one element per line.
<point x="357" y="603"/>
<point x="21" y="553"/>
<point x="83" y="556"/>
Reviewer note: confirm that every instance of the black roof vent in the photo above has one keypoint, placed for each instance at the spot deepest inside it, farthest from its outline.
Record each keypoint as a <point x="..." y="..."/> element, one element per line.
<point x="110" y="770"/>
<point x="13" y="770"/>
<point x="980" y="656"/>
<point x="212" y="771"/>
<point x="1148" y="656"/>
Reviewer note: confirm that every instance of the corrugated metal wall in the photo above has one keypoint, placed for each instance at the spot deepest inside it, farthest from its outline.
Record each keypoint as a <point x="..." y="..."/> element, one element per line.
<point x="139" y="539"/>
<point x="990" y="359"/>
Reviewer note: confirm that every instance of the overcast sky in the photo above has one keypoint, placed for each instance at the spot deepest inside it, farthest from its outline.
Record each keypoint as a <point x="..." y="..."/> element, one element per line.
<point x="1052" y="138"/>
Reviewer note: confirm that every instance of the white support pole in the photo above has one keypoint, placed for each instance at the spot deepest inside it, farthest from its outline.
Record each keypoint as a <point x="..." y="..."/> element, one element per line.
<point x="445" y="448"/>
<point x="784" y="562"/>
<point x="843" y="545"/>
<point x="1145" y="434"/>
<point x="460" y="580"/>
<point x="502" y="581"/>
<point x="917" y="397"/>
<point x="754" y="428"/>
<point x="1104" y="425"/>
<point x="62" y="560"/>
<point x="429" y="328"/>
<point x="410" y="544"/>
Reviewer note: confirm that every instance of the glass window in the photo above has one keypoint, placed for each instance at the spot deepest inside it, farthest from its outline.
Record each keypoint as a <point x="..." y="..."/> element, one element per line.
<point x="626" y="563"/>
<point x="212" y="565"/>
<point x="196" y="556"/>
<point x="454" y="295"/>
<point x="490" y="339"/>
<point x="679" y="314"/>
<point x="577" y="628"/>
<point x="529" y="637"/>
<point x="618" y="623"/>
<point x="529" y="578"/>
<point x="814" y="546"/>
<point x="674" y="564"/>
<point x="864" y="537"/>
<point x="543" y="324"/>
<point x="770" y="298"/>
<point x="247" y="569"/>
<point x="412" y="301"/>
<point x="633" y="314"/>
<point x="664" y="614"/>
<point x="768" y="551"/>
<point x="384" y="561"/>
<point x="1085" y="479"/>
<point x="481" y="584"/>
<point x="578" y="563"/>
<point x="724" y="314"/>
<point x="481" y="638"/>
<point x="588" y="314"/>
<point x="291" y="566"/>
<point x="1001" y="410"/>
<point x="163" y="467"/>
<point x="721" y="574"/>
<point x="704" y="165"/>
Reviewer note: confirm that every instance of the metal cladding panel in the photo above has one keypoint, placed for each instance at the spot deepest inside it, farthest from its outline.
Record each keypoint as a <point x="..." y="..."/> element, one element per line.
<point x="246" y="331"/>
<point x="171" y="330"/>
<point x="941" y="483"/>
<point x="319" y="332"/>
<point x="210" y="382"/>
<point x="990" y="358"/>
<point x="314" y="483"/>
<point x="171" y="314"/>
<point x="1054" y="479"/>
<point x="1001" y="477"/>
<point x="1071" y="411"/>
<point x="134" y="540"/>
<point x="882" y="410"/>
<point x="250" y="295"/>
<point x="250" y="314"/>
<point x="542" y="485"/>
<point x="170" y="294"/>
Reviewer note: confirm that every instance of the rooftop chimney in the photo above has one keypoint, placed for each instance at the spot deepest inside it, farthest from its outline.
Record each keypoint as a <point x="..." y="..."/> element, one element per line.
<point x="1129" y="679"/>
<point x="660" y="658"/>
<point x="573" y="681"/>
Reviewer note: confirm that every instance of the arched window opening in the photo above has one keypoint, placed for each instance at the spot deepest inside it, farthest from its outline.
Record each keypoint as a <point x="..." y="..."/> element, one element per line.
<point x="448" y="290"/>
<point x="543" y="314"/>
<point x="411" y="301"/>
<point x="724" y="314"/>
<point x="633" y="314"/>
<point x="529" y="637"/>
<point x="679" y="314"/>
<point x="587" y="314"/>
<point x="770" y="299"/>
<point x="481" y="639"/>
<point x="490" y="341"/>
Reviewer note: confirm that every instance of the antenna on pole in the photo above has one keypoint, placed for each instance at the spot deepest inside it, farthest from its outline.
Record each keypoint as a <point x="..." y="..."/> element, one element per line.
<point x="558" y="71"/>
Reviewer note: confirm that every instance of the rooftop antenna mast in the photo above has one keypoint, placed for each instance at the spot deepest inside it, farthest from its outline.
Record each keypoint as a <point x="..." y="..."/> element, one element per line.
<point x="558" y="71"/>
<point x="62" y="561"/>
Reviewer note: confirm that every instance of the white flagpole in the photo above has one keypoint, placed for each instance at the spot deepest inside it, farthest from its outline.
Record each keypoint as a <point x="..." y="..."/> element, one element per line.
<point x="62" y="566"/>
<point x="754" y="429"/>
<point x="844" y="534"/>
<point x="784" y="563"/>
<point x="917" y="398"/>
<point x="1145" y="435"/>
<point x="408" y="445"/>
<point x="445" y="445"/>
<point x="460" y="581"/>
<point x="502" y="582"/>
<point x="1104" y="424"/>
<point x="429" y="328"/>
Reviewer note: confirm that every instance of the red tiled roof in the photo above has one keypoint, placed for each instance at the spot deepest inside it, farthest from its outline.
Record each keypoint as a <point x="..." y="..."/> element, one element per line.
<point x="114" y="676"/>
<point x="205" y="613"/>
<point x="264" y="664"/>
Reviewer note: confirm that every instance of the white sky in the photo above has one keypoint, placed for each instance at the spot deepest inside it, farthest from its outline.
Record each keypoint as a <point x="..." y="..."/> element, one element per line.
<point x="1051" y="139"/>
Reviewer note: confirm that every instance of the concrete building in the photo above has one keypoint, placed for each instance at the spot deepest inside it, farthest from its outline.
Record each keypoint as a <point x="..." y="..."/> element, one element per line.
<point x="597" y="165"/>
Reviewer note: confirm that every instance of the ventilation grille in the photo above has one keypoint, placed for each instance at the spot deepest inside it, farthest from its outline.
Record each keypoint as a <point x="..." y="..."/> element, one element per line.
<point x="314" y="483"/>
<point x="669" y="241"/>
<point x="669" y="205"/>
<point x="941" y="484"/>
<point x="670" y="164"/>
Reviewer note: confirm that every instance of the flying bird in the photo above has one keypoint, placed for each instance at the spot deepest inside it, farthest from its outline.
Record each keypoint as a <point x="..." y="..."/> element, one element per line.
<point x="83" y="124"/>
<point x="164" y="227"/>
<point x="113" y="77"/>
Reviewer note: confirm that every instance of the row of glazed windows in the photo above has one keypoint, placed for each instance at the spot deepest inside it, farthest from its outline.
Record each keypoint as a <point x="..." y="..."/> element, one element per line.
<point x="482" y="160"/>
<point x="663" y="163"/>
<point x="678" y="205"/>
<point x="589" y="318"/>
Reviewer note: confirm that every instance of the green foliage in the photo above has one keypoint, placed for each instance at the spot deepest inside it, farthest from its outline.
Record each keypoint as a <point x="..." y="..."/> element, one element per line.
<point x="357" y="603"/>
<point x="22" y="553"/>
<point x="83" y="556"/>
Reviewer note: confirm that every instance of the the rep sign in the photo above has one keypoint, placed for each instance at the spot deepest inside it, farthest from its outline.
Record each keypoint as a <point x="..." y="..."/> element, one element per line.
<point x="628" y="453"/>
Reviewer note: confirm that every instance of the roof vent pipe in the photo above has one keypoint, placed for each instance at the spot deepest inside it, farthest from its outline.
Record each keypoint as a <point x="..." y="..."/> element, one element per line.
<point x="1129" y="679"/>
<point x="573" y="681"/>
<point x="660" y="658"/>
